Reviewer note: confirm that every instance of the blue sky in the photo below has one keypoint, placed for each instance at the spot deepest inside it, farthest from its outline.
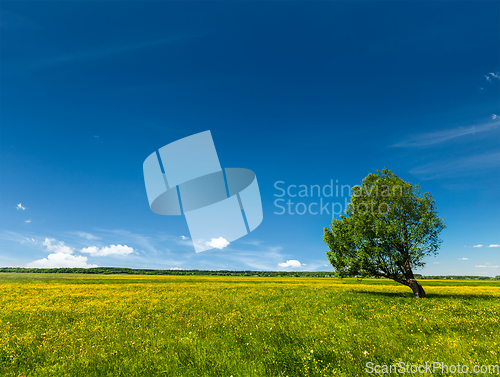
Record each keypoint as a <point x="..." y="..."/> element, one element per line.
<point x="299" y="92"/>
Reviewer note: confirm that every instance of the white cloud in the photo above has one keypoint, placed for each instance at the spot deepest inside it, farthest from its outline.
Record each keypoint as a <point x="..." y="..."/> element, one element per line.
<point x="61" y="256"/>
<point x="252" y="242"/>
<point x="176" y="269"/>
<point x="58" y="248"/>
<point x="436" y="262"/>
<point x="27" y="221"/>
<point x="291" y="263"/>
<point x="494" y="245"/>
<point x="487" y="266"/>
<point x="491" y="75"/>
<point x="95" y="251"/>
<point x="438" y="137"/>
<point x="494" y="116"/>
<point x="463" y="258"/>
<point x="105" y="51"/>
<point x="57" y="260"/>
<point x="457" y="168"/>
<point x="477" y="246"/>
<point x="218" y="243"/>
<point x="143" y="243"/>
<point x="182" y="240"/>
<point x="19" y="206"/>
<point x="259" y="258"/>
<point x="88" y="236"/>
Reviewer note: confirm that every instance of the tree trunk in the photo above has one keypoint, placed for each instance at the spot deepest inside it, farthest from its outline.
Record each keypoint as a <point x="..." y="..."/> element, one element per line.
<point x="417" y="289"/>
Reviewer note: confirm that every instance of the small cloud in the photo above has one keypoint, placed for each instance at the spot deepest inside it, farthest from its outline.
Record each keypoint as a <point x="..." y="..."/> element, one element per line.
<point x="184" y="241"/>
<point x="176" y="268"/>
<point x="458" y="167"/>
<point x="88" y="236"/>
<point x="87" y="55"/>
<point x="439" y="137"/>
<point x="494" y="245"/>
<point x="463" y="258"/>
<point x="19" y="206"/>
<point x="58" y="248"/>
<point x="218" y="243"/>
<point x="477" y="246"/>
<point x="27" y="221"/>
<point x="95" y="251"/>
<point x="291" y="263"/>
<point x="252" y="242"/>
<point x="494" y="116"/>
<point x="487" y="266"/>
<point x="436" y="262"/>
<point x="491" y="75"/>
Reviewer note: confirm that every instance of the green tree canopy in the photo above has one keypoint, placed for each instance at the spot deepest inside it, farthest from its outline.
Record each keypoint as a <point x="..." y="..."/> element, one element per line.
<point x="387" y="230"/>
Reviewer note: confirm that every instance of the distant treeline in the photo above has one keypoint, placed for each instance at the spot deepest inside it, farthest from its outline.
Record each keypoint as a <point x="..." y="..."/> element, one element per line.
<point x="457" y="277"/>
<point x="132" y="271"/>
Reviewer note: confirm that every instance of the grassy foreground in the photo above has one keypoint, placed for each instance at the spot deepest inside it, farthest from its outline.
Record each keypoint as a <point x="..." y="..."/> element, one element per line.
<point x="81" y="325"/>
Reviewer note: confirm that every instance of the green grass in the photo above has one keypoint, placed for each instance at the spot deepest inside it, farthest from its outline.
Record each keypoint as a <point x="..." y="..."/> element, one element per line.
<point x="120" y="325"/>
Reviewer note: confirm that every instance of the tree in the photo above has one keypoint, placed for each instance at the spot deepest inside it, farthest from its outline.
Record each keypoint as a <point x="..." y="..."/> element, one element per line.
<point x="387" y="230"/>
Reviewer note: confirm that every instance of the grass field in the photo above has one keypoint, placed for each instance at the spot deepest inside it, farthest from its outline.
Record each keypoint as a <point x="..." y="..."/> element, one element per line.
<point x="120" y="325"/>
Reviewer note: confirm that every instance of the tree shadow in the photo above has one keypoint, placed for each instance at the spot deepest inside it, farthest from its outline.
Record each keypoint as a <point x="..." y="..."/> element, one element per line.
<point x="433" y="296"/>
<point x="385" y="294"/>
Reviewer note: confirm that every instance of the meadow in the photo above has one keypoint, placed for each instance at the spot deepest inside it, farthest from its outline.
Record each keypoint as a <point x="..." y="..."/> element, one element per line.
<point x="121" y="325"/>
